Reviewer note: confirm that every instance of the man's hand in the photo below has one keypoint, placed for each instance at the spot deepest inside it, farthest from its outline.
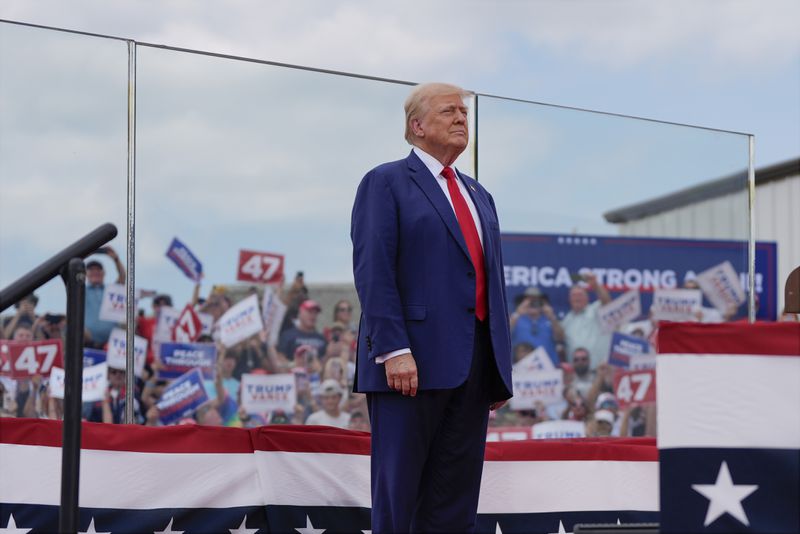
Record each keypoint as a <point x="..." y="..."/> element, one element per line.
<point x="591" y="279"/>
<point x="497" y="405"/>
<point x="401" y="374"/>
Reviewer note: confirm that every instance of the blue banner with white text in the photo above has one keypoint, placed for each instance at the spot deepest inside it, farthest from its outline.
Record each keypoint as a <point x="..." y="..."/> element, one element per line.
<point x="553" y="262"/>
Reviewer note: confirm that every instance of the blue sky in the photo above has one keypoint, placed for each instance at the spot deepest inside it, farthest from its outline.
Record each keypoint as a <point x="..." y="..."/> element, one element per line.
<point x="731" y="65"/>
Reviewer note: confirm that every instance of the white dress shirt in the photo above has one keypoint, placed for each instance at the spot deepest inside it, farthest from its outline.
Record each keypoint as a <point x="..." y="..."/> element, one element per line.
<point x="435" y="167"/>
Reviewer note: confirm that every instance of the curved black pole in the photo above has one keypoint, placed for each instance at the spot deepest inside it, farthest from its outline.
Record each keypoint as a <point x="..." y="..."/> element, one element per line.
<point x="51" y="268"/>
<point x="74" y="274"/>
<point x="69" y="264"/>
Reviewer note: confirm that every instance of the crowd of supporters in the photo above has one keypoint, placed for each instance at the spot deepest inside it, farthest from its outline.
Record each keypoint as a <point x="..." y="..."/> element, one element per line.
<point x="317" y="346"/>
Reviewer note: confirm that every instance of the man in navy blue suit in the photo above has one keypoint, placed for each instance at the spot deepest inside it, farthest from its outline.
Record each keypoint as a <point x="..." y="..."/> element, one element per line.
<point x="434" y="350"/>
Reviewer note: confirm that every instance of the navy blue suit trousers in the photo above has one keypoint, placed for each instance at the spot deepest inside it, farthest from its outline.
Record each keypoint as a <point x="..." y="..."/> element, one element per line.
<point x="427" y="451"/>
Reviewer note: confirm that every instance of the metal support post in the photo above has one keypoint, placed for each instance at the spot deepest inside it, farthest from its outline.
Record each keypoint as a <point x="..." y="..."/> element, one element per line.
<point x="74" y="275"/>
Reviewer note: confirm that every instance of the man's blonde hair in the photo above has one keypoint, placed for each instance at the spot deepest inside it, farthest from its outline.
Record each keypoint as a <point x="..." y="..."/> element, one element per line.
<point x="418" y="101"/>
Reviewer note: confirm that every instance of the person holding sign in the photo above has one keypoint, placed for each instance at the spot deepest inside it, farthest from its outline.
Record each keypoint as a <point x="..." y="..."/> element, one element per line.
<point x="534" y="322"/>
<point x="581" y="325"/>
<point x="98" y="329"/>
<point x="434" y="350"/>
<point x="24" y="317"/>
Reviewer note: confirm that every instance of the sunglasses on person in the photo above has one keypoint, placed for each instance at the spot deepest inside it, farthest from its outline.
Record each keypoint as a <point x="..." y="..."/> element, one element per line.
<point x="344" y="308"/>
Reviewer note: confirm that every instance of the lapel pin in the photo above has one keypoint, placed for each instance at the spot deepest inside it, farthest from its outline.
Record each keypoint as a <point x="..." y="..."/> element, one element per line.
<point x="472" y="187"/>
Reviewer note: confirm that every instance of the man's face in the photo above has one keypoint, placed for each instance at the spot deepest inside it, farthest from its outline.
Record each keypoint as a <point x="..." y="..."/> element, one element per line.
<point x="444" y="126"/>
<point x="95" y="275"/>
<point x="330" y="402"/>
<point x="23" y="334"/>
<point x="229" y="364"/>
<point x="578" y="298"/>
<point x="116" y="378"/>
<point x="308" y="317"/>
<point x="580" y="361"/>
<point x="604" y="428"/>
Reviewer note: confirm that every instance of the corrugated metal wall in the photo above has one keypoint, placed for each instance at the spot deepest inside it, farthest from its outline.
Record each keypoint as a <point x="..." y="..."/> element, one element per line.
<point x="777" y="219"/>
<point x="723" y="217"/>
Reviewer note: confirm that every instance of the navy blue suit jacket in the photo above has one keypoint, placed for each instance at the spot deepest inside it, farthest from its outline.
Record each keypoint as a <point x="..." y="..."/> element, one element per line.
<point x="415" y="279"/>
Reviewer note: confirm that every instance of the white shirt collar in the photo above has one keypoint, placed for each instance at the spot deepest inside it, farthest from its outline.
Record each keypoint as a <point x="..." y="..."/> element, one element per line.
<point x="433" y="164"/>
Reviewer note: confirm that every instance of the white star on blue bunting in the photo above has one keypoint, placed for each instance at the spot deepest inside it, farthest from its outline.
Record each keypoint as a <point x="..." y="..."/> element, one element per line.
<point x="724" y="496"/>
<point x="92" y="530"/>
<point x="169" y="530"/>
<point x="242" y="529"/>
<point x="12" y="528"/>
<point x="561" y="529"/>
<point x="309" y="528"/>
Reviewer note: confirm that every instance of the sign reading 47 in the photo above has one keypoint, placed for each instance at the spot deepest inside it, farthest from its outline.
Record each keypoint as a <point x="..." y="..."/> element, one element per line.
<point x="635" y="387"/>
<point x="259" y="267"/>
<point x="23" y="359"/>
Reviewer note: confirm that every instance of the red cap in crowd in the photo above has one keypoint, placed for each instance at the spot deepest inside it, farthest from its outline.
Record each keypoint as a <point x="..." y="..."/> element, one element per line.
<point x="310" y="305"/>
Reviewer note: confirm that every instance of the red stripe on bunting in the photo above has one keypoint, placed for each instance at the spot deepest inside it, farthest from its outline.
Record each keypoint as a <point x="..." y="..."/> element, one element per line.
<point x="578" y="449"/>
<point x="289" y="438"/>
<point x="761" y="339"/>
<point x="132" y="438"/>
<point x="323" y="439"/>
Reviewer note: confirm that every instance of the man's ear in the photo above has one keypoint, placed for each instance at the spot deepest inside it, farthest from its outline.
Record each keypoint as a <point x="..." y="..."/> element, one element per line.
<point x="416" y="128"/>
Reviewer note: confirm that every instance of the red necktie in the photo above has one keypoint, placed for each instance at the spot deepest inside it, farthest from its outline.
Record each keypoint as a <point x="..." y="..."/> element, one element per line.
<point x="470" y="233"/>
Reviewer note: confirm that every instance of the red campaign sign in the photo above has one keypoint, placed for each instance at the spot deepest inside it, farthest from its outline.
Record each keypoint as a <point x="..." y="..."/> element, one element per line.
<point x="23" y="359"/>
<point x="188" y="327"/>
<point x="259" y="267"/>
<point x="635" y="387"/>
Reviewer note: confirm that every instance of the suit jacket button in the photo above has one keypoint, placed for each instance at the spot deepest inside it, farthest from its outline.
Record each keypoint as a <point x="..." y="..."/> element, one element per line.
<point x="471" y="310"/>
<point x="470" y="274"/>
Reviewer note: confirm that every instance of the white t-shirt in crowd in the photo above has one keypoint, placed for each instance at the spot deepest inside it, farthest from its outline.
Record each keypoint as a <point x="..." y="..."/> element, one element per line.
<point x="322" y="418"/>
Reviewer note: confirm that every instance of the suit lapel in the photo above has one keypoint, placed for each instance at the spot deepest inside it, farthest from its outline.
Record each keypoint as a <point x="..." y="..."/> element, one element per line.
<point x="422" y="177"/>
